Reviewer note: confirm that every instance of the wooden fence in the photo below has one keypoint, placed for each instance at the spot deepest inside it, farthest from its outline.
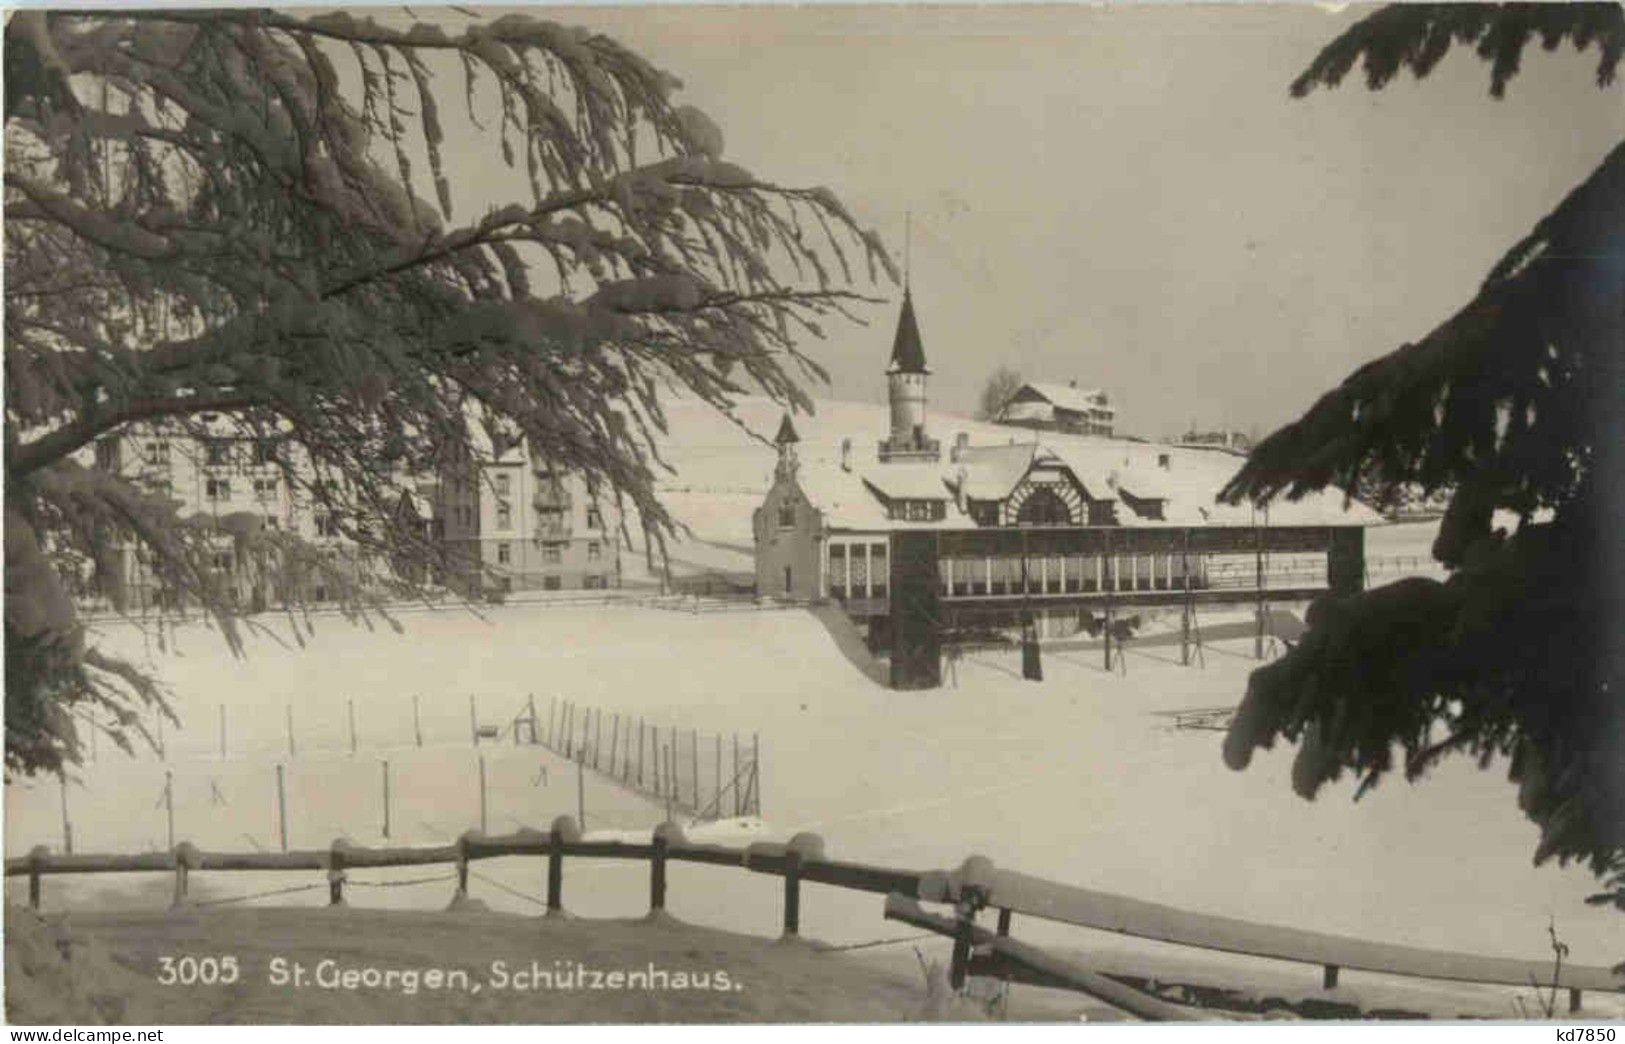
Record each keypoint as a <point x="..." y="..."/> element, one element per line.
<point x="975" y="886"/>
<point x="705" y="776"/>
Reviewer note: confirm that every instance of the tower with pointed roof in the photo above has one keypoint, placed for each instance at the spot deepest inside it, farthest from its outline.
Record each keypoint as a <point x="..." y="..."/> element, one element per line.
<point x="906" y="376"/>
<point x="786" y="441"/>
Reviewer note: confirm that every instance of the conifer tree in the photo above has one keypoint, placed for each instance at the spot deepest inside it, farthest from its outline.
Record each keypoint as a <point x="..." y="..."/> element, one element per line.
<point x="1511" y="408"/>
<point x="220" y="213"/>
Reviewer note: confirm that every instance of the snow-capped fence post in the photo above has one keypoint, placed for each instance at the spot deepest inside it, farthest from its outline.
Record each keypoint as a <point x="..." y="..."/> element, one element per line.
<point x="335" y="872"/>
<point x="186" y="858"/>
<point x="563" y="832"/>
<point x="663" y="836"/>
<point x="462" y="870"/>
<point x="36" y="865"/>
<point x="801" y="848"/>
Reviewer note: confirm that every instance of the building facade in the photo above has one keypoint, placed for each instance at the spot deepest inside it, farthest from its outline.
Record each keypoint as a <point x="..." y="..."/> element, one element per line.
<point x="1048" y="538"/>
<point x="511" y="522"/>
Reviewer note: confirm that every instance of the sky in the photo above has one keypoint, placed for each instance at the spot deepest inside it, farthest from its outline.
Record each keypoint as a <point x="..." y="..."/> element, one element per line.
<point x="1128" y="197"/>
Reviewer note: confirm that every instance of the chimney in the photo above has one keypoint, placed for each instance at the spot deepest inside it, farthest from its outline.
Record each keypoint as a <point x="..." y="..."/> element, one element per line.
<point x="846" y="454"/>
<point x="959" y="488"/>
<point x="961" y="441"/>
<point x="1162" y="461"/>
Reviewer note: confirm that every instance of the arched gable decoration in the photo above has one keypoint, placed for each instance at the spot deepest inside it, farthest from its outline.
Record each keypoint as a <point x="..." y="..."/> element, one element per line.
<point x="1055" y="503"/>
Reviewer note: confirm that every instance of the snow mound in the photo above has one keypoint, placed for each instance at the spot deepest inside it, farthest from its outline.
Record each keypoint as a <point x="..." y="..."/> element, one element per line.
<point x="56" y="976"/>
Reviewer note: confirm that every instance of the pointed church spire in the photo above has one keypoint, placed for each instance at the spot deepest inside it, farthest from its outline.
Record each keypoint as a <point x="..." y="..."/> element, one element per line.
<point x="787" y="432"/>
<point x="907" y="352"/>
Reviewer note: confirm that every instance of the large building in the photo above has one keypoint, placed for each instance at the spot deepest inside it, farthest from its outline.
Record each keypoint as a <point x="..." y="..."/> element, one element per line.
<point x="511" y="522"/>
<point x="1060" y="407"/>
<point x="1042" y="534"/>
<point x="239" y="480"/>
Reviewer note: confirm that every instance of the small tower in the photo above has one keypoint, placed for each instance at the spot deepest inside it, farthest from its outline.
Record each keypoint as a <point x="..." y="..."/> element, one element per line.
<point x="905" y="384"/>
<point x="786" y="440"/>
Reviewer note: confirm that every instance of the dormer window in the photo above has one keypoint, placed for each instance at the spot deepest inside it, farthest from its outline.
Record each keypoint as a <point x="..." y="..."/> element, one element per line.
<point x="787" y="515"/>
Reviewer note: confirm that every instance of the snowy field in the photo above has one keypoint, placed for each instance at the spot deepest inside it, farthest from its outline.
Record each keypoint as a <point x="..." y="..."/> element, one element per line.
<point x="1078" y="778"/>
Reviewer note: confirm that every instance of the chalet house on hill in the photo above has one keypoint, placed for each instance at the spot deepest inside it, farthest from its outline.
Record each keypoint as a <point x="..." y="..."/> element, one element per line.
<point x="1060" y="407"/>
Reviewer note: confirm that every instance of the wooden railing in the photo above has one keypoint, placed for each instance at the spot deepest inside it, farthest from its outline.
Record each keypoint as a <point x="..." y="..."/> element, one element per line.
<point x="974" y="887"/>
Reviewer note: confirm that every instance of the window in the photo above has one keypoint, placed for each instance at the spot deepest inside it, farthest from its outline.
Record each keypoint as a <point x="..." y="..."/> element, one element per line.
<point x="218" y="489"/>
<point x="504" y="554"/>
<point x="837" y="572"/>
<point x="216" y="452"/>
<point x="504" y="515"/>
<point x="264" y="451"/>
<point x="595" y="551"/>
<point x="504" y="485"/>
<point x="878" y="574"/>
<point x="507" y="584"/>
<point x="550" y="583"/>
<point x="592" y="582"/>
<point x="787" y="515"/>
<point x="552" y="554"/>
<point x="158" y="452"/>
<point x="265" y="488"/>
<point x="327" y="526"/>
<point x="594" y="519"/>
<point x="222" y="559"/>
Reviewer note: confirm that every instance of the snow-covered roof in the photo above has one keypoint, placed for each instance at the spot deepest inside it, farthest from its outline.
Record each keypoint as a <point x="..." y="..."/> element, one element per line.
<point x="991" y="472"/>
<point x="848" y="501"/>
<point x="908" y="481"/>
<point x="1079" y="400"/>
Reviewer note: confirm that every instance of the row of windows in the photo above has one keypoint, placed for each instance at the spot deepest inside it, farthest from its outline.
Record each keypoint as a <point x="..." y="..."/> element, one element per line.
<point x="552" y="554"/>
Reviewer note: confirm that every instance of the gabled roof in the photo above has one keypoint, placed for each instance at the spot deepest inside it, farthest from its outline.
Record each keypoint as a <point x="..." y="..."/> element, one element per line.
<point x="991" y="472"/>
<point x="787" y="432"/>
<point x="907" y="352"/>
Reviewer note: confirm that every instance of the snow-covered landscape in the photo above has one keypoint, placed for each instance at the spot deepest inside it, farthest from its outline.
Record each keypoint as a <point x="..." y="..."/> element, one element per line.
<point x="1082" y="778"/>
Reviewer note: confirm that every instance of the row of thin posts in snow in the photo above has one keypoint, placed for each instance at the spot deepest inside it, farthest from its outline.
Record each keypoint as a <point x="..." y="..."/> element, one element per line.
<point x="666" y="764"/>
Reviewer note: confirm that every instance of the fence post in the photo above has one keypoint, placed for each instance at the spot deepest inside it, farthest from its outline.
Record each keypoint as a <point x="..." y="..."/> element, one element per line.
<point x="614" y="741"/>
<point x="535" y="723"/>
<point x="335" y="872"/>
<point x="694" y="766"/>
<point x="222" y="732"/>
<point x="169" y="804"/>
<point x="483" y="821"/>
<point x="67" y="824"/>
<point x="640" y="750"/>
<point x="737" y="795"/>
<point x="290" y="727"/>
<point x="597" y="737"/>
<point x="671" y="763"/>
<point x="417" y="721"/>
<point x="716" y="802"/>
<point x="565" y="831"/>
<point x="755" y="774"/>
<point x="386" y="797"/>
<point x="186" y="858"/>
<point x="352" y="726"/>
<point x="36" y="866"/>
<point x="462" y="871"/>
<point x="281" y="807"/>
<point x="665" y="835"/>
<point x="581" y="793"/>
<point x="473" y="719"/>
